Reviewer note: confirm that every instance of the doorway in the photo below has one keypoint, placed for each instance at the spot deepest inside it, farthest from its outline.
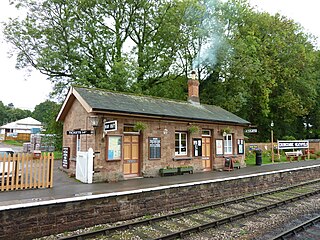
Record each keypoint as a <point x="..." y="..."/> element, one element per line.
<point x="206" y="153"/>
<point x="131" y="161"/>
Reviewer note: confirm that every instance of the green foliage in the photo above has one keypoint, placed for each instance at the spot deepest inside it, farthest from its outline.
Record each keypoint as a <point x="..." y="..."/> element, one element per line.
<point x="259" y="66"/>
<point x="46" y="112"/>
<point x="288" y="138"/>
<point x="73" y="42"/>
<point x="10" y="114"/>
<point x="139" y="126"/>
<point x="193" y="129"/>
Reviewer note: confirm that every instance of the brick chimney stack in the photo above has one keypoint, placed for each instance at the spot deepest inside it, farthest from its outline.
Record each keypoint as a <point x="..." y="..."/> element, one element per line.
<point x="193" y="88"/>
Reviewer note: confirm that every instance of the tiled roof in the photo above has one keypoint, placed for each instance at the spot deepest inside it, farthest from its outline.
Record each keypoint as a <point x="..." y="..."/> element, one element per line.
<point x="101" y="100"/>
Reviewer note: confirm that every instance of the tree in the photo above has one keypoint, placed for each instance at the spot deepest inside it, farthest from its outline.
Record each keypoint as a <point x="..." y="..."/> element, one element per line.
<point x="104" y="44"/>
<point x="46" y="112"/>
<point x="268" y="73"/>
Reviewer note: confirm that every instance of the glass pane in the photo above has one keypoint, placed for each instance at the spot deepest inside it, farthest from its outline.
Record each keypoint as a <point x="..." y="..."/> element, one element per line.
<point x="114" y="148"/>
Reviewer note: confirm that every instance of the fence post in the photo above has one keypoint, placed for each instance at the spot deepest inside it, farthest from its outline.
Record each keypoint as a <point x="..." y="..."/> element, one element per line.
<point x="90" y="164"/>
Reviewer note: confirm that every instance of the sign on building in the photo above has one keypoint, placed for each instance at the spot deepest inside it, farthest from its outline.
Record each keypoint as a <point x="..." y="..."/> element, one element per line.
<point x="79" y="132"/>
<point x="110" y="126"/>
<point x="251" y="130"/>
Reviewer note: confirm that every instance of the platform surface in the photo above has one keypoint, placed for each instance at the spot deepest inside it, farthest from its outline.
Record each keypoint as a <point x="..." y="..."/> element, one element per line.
<point x="67" y="188"/>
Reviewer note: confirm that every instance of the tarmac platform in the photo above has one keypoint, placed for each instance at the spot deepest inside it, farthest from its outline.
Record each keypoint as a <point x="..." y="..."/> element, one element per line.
<point x="69" y="189"/>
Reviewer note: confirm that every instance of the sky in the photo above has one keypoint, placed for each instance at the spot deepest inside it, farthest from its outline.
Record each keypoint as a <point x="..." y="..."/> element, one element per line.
<point x="26" y="90"/>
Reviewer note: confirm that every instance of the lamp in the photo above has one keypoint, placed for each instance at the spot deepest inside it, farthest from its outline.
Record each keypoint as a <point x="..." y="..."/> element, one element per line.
<point x="94" y="120"/>
<point x="272" y="152"/>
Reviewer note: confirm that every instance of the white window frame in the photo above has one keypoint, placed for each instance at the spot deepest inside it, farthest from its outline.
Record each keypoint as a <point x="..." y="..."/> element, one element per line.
<point x="206" y="133"/>
<point x="180" y="152"/>
<point x="227" y="144"/>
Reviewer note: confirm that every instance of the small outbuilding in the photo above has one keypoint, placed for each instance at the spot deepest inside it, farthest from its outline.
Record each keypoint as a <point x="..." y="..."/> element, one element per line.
<point x="20" y="130"/>
<point x="136" y="136"/>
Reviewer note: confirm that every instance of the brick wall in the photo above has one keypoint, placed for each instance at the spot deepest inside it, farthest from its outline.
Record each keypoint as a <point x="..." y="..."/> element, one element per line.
<point x="31" y="222"/>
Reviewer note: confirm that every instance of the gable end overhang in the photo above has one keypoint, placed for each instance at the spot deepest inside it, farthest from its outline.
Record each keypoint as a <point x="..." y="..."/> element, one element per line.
<point x="68" y="102"/>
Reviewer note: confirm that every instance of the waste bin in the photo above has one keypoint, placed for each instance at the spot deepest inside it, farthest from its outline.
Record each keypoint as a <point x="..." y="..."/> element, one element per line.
<point x="258" y="158"/>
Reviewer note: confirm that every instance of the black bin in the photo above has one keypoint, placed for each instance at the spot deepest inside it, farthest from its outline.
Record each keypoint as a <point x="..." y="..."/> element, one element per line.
<point x="258" y="158"/>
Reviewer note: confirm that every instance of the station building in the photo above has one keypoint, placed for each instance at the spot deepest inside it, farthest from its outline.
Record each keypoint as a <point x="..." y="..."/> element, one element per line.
<point x="135" y="136"/>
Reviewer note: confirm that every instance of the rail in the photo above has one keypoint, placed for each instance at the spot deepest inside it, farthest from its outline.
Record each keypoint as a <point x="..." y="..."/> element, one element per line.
<point x="298" y="229"/>
<point x="263" y="201"/>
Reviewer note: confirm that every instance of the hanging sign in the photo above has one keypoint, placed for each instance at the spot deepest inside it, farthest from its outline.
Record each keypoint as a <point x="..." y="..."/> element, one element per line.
<point x="79" y="132"/>
<point x="251" y="130"/>
<point x="110" y="126"/>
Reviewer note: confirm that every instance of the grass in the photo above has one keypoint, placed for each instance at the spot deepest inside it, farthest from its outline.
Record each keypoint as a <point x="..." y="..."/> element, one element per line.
<point x="13" y="143"/>
<point x="57" y="154"/>
<point x="266" y="159"/>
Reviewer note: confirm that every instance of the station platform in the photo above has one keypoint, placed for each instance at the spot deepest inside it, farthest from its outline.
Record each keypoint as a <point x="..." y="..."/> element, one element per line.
<point x="69" y="189"/>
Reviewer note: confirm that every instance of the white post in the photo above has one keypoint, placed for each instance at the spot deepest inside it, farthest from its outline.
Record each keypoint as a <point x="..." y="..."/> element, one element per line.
<point x="90" y="165"/>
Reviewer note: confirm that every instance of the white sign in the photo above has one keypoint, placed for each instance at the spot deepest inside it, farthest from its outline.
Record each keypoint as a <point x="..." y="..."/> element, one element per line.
<point x="293" y="144"/>
<point x="219" y="147"/>
<point x="110" y="126"/>
<point x="251" y="130"/>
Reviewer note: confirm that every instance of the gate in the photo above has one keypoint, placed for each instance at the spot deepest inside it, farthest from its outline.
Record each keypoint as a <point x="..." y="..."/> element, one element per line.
<point x="24" y="171"/>
<point x="84" y="166"/>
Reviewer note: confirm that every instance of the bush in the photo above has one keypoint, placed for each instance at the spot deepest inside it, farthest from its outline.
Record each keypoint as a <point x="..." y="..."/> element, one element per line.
<point x="313" y="156"/>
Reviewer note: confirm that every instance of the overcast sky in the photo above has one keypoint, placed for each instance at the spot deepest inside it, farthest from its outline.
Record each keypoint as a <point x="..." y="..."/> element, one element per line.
<point x="26" y="91"/>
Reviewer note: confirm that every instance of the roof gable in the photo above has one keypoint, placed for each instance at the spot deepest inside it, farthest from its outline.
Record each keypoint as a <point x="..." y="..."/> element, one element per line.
<point x="104" y="101"/>
<point x="25" y="123"/>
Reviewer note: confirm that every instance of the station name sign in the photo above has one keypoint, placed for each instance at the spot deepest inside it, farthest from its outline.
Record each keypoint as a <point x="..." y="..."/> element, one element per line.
<point x="110" y="126"/>
<point x="251" y="130"/>
<point x="79" y="132"/>
<point x="293" y="144"/>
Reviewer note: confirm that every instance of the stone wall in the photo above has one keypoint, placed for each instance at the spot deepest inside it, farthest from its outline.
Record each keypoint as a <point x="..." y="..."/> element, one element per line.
<point x="31" y="222"/>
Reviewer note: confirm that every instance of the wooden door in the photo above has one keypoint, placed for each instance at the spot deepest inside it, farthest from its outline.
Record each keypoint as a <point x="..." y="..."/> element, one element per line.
<point x="131" y="155"/>
<point x="206" y="153"/>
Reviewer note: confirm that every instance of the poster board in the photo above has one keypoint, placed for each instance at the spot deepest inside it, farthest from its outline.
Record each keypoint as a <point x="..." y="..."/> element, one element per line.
<point x="114" y="147"/>
<point x="197" y="147"/>
<point x="219" y="147"/>
<point x="154" y="148"/>
<point x="228" y="164"/>
<point x="240" y="143"/>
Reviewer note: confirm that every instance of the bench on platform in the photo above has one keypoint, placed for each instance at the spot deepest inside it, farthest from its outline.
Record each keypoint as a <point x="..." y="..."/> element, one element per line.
<point x="295" y="155"/>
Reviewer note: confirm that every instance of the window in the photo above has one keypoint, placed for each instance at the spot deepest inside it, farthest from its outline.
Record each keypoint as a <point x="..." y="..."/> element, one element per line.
<point x="154" y="148"/>
<point x="228" y="144"/>
<point x="206" y="132"/>
<point x="181" y="143"/>
<point x="114" y="148"/>
<point x="129" y="128"/>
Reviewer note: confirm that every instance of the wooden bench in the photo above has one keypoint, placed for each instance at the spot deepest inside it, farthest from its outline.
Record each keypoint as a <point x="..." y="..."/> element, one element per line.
<point x="294" y="156"/>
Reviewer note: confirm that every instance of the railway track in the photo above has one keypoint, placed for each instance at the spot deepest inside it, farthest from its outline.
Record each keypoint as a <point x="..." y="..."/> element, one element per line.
<point x="309" y="229"/>
<point x="179" y="224"/>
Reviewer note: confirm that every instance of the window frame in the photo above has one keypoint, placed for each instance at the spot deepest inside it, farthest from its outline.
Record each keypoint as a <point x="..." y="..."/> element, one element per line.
<point x="227" y="144"/>
<point x="130" y="132"/>
<point x="180" y="153"/>
<point x="204" y="134"/>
